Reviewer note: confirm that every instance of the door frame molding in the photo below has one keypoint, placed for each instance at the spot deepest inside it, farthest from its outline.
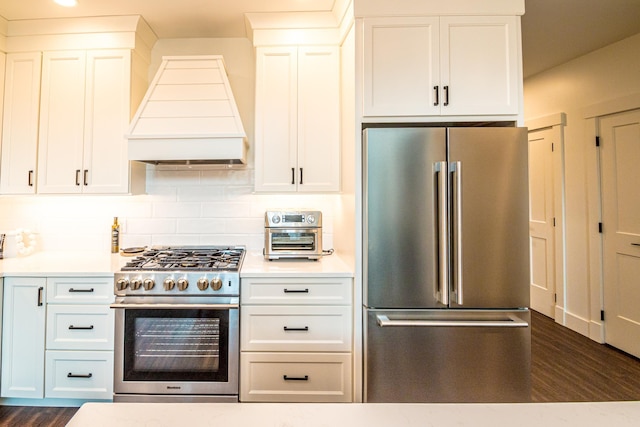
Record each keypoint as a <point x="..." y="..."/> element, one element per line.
<point x="557" y="122"/>
<point x="592" y="115"/>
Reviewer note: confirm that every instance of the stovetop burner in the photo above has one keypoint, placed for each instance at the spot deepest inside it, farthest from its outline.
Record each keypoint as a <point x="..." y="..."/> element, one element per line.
<point x="213" y="258"/>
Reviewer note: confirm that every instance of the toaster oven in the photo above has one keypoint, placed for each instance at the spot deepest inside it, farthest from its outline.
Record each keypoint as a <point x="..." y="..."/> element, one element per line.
<point x="292" y="234"/>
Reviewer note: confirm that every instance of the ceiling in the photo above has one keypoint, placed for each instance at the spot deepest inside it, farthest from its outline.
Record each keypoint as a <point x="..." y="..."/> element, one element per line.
<point x="553" y="31"/>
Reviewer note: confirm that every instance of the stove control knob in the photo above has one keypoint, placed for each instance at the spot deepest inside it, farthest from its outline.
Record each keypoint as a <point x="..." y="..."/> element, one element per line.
<point x="311" y="219"/>
<point x="183" y="284"/>
<point x="169" y="284"/>
<point x="216" y="284"/>
<point x="203" y="284"/>
<point x="148" y="284"/>
<point x="135" y="284"/>
<point x="122" y="284"/>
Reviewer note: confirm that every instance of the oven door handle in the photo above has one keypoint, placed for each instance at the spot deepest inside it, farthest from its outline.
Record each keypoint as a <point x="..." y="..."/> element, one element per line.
<point x="161" y="306"/>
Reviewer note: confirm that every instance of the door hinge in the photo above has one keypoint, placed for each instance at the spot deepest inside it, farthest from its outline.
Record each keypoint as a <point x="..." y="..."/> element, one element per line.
<point x="602" y="315"/>
<point x="597" y="141"/>
<point x="599" y="227"/>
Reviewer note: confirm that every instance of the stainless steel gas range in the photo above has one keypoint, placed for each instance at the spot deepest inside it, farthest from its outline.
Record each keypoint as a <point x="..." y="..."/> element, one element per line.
<point x="177" y="325"/>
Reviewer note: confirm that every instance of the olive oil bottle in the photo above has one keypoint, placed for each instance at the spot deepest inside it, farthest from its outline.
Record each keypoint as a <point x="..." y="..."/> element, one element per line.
<point x="115" y="236"/>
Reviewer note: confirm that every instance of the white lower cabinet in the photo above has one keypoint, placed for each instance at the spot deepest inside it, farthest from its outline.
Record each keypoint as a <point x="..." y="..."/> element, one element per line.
<point x="79" y="374"/>
<point x="57" y="338"/>
<point x="296" y="377"/>
<point x="23" y="333"/>
<point x="296" y="340"/>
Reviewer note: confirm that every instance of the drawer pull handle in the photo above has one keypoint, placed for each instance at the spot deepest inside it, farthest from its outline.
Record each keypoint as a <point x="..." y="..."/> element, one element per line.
<point x="296" y="291"/>
<point x="71" y="327"/>
<point x="288" y="378"/>
<point x="71" y="375"/>
<point x="81" y="290"/>
<point x="305" y="329"/>
<point x="40" y="300"/>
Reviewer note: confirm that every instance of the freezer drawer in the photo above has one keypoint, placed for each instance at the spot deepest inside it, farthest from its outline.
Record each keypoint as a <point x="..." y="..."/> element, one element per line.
<point x="447" y="356"/>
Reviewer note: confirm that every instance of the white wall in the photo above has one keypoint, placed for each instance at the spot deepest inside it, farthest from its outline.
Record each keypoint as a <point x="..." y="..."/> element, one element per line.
<point x="607" y="74"/>
<point x="186" y="206"/>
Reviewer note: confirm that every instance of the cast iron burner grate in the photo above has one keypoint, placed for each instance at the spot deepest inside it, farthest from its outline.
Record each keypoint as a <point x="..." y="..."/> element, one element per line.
<point x="170" y="259"/>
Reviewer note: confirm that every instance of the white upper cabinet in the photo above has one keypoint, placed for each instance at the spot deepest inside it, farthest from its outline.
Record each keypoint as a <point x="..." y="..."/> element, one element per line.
<point x="20" y="123"/>
<point x="450" y="66"/>
<point x="297" y="119"/>
<point x="60" y="167"/>
<point x="84" y="115"/>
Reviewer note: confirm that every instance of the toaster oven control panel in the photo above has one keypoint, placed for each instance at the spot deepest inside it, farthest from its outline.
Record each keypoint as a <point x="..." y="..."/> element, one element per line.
<point x="292" y="219"/>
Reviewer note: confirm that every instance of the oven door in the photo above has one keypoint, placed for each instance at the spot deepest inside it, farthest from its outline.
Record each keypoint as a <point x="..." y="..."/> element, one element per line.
<point x="168" y="348"/>
<point x="293" y="243"/>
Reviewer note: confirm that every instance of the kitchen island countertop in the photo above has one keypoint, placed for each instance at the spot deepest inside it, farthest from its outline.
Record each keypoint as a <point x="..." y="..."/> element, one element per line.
<point x="619" y="414"/>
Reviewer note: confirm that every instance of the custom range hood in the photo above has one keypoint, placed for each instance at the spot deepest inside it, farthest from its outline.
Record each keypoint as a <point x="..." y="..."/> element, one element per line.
<point x="188" y="116"/>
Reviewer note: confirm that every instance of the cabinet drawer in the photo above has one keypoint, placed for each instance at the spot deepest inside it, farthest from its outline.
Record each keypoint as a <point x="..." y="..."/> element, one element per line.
<point x="80" y="290"/>
<point x="289" y="328"/>
<point x="324" y="291"/>
<point x="76" y="327"/>
<point x="79" y="374"/>
<point x="295" y="377"/>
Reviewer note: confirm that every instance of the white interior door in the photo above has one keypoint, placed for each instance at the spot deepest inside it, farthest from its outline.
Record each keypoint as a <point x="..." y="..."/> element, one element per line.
<point x="541" y="221"/>
<point x="620" y="160"/>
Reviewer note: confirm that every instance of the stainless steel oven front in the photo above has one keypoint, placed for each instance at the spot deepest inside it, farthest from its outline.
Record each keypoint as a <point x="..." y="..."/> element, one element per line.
<point x="177" y="349"/>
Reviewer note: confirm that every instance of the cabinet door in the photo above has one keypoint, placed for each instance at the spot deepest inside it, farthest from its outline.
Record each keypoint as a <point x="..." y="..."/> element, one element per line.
<point x="480" y="65"/>
<point x="23" y="337"/>
<point x="106" y="121"/>
<point x="20" y="123"/>
<point x="401" y="66"/>
<point x="61" y="123"/>
<point x="318" y="119"/>
<point x="276" y="119"/>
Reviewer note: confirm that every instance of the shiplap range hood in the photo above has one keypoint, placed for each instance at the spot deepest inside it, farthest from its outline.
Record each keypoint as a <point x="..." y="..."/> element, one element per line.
<point x="188" y="116"/>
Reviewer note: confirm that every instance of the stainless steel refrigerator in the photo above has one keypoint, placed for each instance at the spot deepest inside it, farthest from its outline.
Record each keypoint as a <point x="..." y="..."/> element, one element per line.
<point x="446" y="265"/>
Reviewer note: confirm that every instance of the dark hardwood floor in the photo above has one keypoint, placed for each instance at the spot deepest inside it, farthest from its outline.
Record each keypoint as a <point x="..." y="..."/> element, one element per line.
<point x="34" y="416"/>
<point x="565" y="367"/>
<point x="568" y="367"/>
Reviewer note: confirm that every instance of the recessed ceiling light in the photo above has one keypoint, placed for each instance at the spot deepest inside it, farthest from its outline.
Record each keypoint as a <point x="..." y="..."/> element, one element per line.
<point x="67" y="3"/>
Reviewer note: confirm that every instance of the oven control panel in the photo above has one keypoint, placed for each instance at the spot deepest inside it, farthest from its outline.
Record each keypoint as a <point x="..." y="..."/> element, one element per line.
<point x="176" y="283"/>
<point x="293" y="219"/>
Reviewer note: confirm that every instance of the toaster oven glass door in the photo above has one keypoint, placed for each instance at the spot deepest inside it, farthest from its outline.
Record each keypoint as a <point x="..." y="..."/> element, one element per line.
<point x="290" y="240"/>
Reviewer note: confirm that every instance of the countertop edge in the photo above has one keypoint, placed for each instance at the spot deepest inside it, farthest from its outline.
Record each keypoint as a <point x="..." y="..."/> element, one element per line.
<point x="579" y="414"/>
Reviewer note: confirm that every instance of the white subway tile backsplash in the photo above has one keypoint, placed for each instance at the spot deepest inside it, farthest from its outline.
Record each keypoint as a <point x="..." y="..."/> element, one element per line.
<point x="227" y="177"/>
<point x="151" y="226"/>
<point x="198" y="206"/>
<point x="225" y="210"/>
<point x="201" y="226"/>
<point x="175" y="210"/>
<point x="175" y="240"/>
<point x="245" y="225"/>
<point x="178" y="178"/>
<point x="201" y="193"/>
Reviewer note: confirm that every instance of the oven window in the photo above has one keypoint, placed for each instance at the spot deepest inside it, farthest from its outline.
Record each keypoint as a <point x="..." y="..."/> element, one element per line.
<point x="290" y="241"/>
<point x="176" y="344"/>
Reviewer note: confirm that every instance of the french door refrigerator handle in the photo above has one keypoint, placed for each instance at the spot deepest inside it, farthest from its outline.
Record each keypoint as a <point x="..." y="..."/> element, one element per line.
<point x="512" y="322"/>
<point x="456" y="172"/>
<point x="442" y="282"/>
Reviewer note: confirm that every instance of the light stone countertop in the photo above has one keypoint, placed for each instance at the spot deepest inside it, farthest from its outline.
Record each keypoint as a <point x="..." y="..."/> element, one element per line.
<point x="60" y="263"/>
<point x="618" y="414"/>
<point x="255" y="265"/>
